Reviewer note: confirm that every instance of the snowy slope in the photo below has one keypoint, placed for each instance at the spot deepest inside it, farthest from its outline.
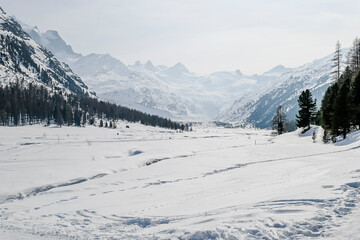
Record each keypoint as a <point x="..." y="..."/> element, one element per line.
<point x="24" y="61"/>
<point x="178" y="93"/>
<point x="173" y="91"/>
<point x="149" y="183"/>
<point x="259" y="107"/>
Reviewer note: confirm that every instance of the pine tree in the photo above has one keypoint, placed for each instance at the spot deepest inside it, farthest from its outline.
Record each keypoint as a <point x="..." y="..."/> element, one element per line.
<point x="307" y="110"/>
<point x="77" y="118"/>
<point x="341" y="117"/>
<point x="58" y="116"/>
<point x="354" y="97"/>
<point x="317" y="120"/>
<point x="337" y="61"/>
<point x="327" y="106"/>
<point x="83" y="122"/>
<point x="279" y="121"/>
<point x="355" y="54"/>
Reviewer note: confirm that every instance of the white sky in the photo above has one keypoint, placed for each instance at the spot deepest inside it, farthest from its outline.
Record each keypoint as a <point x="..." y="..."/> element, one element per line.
<point x="205" y="35"/>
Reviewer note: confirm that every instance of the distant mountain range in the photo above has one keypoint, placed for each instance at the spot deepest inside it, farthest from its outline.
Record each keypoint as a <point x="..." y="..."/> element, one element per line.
<point x="177" y="93"/>
<point x="172" y="92"/>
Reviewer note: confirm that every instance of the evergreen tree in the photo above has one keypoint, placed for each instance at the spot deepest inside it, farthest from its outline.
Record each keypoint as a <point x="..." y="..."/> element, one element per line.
<point x="341" y="117"/>
<point x="77" y="117"/>
<point x="279" y="121"/>
<point x="342" y="113"/>
<point x="58" y="116"/>
<point x="354" y="98"/>
<point x="355" y="55"/>
<point x="307" y="110"/>
<point x="83" y="122"/>
<point x="337" y="61"/>
<point x="327" y="106"/>
<point x="317" y="120"/>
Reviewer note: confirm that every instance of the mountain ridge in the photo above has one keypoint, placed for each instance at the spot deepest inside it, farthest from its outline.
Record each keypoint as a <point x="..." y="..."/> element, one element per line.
<point x="260" y="108"/>
<point x="176" y="92"/>
<point x="25" y="61"/>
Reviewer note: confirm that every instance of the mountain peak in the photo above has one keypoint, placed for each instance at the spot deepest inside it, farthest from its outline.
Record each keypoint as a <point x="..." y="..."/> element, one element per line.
<point x="51" y="40"/>
<point x="51" y="34"/>
<point x="180" y="67"/>
<point x="36" y="29"/>
<point x="149" y="63"/>
<point x="150" y="66"/>
<point x="238" y="72"/>
<point x="2" y="11"/>
<point x="277" y="70"/>
<point x="177" y="70"/>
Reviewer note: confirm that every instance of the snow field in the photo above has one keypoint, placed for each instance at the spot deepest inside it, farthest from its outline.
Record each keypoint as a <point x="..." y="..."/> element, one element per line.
<point x="150" y="183"/>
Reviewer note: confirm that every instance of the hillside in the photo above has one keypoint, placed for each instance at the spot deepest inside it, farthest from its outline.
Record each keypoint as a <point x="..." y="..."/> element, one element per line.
<point x="258" y="108"/>
<point x="25" y="61"/>
<point x="37" y="88"/>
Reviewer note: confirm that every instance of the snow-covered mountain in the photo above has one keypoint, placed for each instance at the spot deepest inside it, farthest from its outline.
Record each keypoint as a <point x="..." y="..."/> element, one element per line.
<point x="52" y="41"/>
<point x="168" y="91"/>
<point x="259" y="107"/>
<point x="175" y="92"/>
<point x="24" y="61"/>
<point x="277" y="71"/>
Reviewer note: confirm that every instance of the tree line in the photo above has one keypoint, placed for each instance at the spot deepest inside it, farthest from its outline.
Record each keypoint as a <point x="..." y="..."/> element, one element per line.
<point x="340" y="106"/>
<point x="307" y="114"/>
<point x="339" y="113"/>
<point x="35" y="104"/>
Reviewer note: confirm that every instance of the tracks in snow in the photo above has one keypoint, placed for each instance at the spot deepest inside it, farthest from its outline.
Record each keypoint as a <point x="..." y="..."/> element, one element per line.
<point x="242" y="165"/>
<point x="45" y="188"/>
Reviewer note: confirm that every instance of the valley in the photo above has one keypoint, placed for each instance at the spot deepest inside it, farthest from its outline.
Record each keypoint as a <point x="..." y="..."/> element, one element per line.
<point x="144" y="183"/>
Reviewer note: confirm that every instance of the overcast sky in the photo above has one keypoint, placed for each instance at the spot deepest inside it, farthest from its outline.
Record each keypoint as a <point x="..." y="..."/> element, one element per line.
<point x="205" y="35"/>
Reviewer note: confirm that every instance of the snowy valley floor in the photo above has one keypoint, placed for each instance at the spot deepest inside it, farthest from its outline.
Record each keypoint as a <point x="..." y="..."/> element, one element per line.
<point x="150" y="183"/>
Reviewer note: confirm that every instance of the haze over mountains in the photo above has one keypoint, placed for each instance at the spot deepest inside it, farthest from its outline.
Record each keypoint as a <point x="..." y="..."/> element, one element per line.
<point x="177" y="93"/>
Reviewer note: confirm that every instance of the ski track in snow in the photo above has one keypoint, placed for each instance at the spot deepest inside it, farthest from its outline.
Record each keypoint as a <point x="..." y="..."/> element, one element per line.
<point x="79" y="180"/>
<point x="255" y="220"/>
